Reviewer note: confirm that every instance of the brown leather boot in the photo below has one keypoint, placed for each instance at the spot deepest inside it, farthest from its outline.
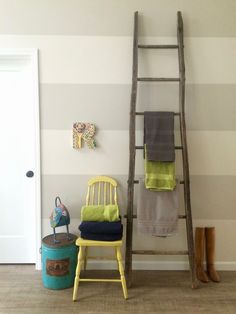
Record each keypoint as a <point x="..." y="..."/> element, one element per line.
<point x="199" y="254"/>
<point x="210" y="254"/>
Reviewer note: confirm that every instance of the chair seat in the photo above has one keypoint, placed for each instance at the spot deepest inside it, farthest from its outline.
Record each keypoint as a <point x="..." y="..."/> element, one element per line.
<point x="84" y="242"/>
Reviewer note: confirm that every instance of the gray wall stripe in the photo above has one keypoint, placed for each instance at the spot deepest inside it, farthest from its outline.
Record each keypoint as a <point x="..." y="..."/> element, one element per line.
<point x="219" y="192"/>
<point x="115" y="18"/>
<point x="208" y="107"/>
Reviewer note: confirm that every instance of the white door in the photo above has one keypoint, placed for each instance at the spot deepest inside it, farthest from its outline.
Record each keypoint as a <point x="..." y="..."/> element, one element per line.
<point x="19" y="162"/>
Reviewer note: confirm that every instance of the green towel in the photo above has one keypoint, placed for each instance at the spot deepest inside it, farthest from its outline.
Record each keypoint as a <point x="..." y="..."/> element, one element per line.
<point x="100" y="213"/>
<point x="159" y="175"/>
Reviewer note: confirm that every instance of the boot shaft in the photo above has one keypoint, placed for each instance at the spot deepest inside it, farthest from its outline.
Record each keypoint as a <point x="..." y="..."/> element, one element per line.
<point x="199" y="244"/>
<point x="199" y="254"/>
<point x="210" y="244"/>
<point x="210" y="254"/>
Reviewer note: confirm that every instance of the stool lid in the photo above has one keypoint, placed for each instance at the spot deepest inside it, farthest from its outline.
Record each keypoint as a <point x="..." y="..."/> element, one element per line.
<point x="62" y="237"/>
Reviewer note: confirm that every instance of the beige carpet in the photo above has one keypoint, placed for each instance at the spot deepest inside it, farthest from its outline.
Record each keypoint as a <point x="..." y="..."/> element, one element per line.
<point x="21" y="292"/>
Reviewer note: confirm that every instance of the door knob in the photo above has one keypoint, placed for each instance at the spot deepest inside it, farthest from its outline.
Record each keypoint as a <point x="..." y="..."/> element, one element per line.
<point x="29" y="174"/>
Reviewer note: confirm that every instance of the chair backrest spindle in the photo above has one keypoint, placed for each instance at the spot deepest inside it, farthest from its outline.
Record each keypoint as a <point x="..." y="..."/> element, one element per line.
<point x="88" y="195"/>
<point x="115" y="196"/>
<point x="99" y="192"/>
<point x="93" y="193"/>
<point x="106" y="191"/>
<point x="110" y="193"/>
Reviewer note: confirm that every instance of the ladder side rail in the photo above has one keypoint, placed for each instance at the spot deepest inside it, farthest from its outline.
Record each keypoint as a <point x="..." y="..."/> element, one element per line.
<point x="187" y="200"/>
<point x="132" y="153"/>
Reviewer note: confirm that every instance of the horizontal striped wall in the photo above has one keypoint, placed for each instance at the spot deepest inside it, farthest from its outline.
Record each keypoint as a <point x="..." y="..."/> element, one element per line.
<point x="204" y="18"/>
<point x="209" y="107"/>
<point x="225" y="239"/>
<point x="112" y="151"/>
<point x="85" y="58"/>
<point x="108" y="60"/>
<point x="72" y="189"/>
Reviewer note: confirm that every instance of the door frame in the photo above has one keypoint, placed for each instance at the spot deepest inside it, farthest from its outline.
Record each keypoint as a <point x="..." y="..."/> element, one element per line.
<point x="32" y="54"/>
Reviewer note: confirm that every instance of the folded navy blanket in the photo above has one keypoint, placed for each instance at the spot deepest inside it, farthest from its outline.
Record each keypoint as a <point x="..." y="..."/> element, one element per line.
<point x="103" y="227"/>
<point x="101" y="237"/>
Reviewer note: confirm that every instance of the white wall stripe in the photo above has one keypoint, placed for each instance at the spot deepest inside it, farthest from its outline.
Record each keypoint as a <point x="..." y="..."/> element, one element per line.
<point x="103" y="17"/>
<point x="210" y="153"/>
<point x="225" y="257"/>
<point x="108" y="60"/>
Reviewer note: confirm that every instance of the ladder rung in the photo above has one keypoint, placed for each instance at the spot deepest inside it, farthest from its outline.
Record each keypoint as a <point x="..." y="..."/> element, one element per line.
<point x="142" y="113"/>
<point x="158" y="46"/>
<point x="142" y="147"/>
<point x="137" y="182"/>
<point x="158" y="79"/>
<point x="150" y="252"/>
<point x="179" y="216"/>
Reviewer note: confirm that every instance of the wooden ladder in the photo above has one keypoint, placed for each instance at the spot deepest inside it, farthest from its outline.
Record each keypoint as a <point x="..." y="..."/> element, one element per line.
<point x="132" y="151"/>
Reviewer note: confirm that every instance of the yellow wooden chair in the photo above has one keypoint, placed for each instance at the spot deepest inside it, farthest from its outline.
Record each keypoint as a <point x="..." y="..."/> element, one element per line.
<point x="104" y="189"/>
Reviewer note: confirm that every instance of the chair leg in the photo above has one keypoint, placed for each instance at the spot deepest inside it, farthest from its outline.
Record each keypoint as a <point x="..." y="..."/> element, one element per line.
<point x="85" y="257"/>
<point x="121" y="270"/>
<point x="77" y="273"/>
<point x="117" y="260"/>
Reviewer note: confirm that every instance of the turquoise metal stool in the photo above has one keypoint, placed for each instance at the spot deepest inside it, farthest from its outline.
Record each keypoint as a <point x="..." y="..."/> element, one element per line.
<point x="59" y="261"/>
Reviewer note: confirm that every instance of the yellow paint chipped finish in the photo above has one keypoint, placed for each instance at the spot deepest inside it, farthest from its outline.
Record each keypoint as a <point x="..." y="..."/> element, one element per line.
<point x="108" y="186"/>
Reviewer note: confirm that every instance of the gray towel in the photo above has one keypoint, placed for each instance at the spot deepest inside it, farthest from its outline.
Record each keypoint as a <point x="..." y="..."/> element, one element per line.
<point x="157" y="212"/>
<point x="159" y="135"/>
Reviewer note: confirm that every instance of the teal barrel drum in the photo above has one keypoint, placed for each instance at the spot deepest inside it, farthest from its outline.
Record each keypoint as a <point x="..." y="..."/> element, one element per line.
<point x="59" y="261"/>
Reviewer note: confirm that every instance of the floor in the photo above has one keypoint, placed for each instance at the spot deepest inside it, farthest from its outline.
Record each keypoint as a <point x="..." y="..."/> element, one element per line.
<point x="21" y="291"/>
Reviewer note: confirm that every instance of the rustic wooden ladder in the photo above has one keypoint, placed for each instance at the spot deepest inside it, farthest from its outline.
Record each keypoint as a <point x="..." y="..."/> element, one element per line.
<point x="132" y="151"/>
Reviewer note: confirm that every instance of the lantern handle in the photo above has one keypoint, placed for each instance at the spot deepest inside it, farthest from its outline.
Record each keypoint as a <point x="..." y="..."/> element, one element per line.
<point x="57" y="199"/>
